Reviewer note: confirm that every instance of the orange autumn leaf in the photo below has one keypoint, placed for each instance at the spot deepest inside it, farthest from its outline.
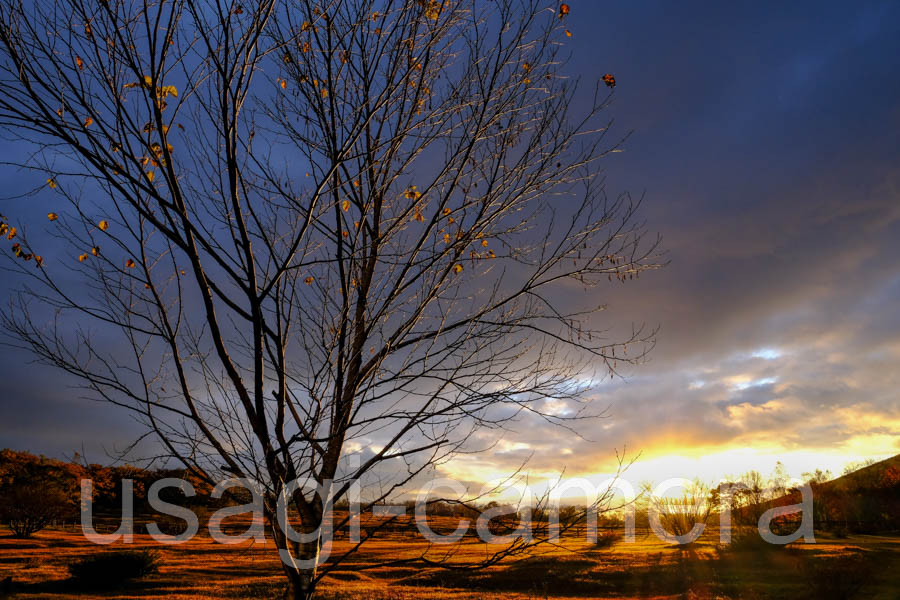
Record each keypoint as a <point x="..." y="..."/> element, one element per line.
<point x="52" y="216"/>
<point x="309" y="280"/>
<point x="282" y="83"/>
<point x="150" y="176"/>
<point x="39" y="260"/>
<point x="95" y="250"/>
<point x="446" y="212"/>
<point x="345" y="205"/>
<point x="412" y="193"/>
<point x="52" y="183"/>
<point x="433" y="10"/>
<point x="82" y="258"/>
<point x="563" y="10"/>
<point x="12" y="233"/>
<point x="88" y="121"/>
<point x="446" y="238"/>
<point x="129" y="263"/>
<point x="79" y="62"/>
<point x="609" y="80"/>
<point x="484" y="243"/>
<point x="103" y="225"/>
<point x="568" y="33"/>
<point x="457" y="268"/>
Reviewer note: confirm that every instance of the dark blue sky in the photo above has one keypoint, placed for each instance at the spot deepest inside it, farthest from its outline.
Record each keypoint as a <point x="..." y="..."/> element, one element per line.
<point x="767" y="139"/>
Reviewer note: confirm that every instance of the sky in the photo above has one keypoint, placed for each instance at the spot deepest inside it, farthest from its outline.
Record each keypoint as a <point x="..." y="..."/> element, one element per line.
<point x="766" y="140"/>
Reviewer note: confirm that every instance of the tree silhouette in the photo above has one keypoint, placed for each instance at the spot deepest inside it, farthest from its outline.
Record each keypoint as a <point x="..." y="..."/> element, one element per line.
<point x="35" y="491"/>
<point x="301" y="226"/>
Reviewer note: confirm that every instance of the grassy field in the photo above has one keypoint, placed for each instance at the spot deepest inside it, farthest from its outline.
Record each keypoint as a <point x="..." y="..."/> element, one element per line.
<point x="853" y="567"/>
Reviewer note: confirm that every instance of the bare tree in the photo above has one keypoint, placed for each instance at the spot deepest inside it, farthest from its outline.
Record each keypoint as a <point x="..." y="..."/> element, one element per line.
<point x="286" y="228"/>
<point x="679" y="515"/>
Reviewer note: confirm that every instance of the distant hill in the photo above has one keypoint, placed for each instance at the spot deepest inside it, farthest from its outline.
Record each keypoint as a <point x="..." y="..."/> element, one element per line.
<point x="885" y="473"/>
<point x="864" y="501"/>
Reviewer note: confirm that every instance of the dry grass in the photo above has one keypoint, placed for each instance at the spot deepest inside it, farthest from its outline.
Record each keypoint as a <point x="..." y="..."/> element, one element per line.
<point x="202" y="569"/>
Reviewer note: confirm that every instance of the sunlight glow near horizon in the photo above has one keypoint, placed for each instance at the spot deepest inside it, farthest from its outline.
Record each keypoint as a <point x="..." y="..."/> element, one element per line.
<point x="709" y="466"/>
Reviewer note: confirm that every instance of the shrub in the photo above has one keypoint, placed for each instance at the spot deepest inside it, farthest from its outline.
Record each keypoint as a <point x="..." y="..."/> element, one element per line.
<point x="29" y="507"/>
<point x="840" y="532"/>
<point x="837" y="577"/>
<point x="113" y="568"/>
<point x="605" y="539"/>
<point x="749" y="541"/>
<point x="168" y="525"/>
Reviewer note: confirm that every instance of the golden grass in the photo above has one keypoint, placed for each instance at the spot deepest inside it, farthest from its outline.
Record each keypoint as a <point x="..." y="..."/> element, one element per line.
<point x="203" y="569"/>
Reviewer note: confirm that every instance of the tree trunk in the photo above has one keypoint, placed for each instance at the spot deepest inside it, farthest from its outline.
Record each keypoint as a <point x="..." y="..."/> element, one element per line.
<point x="300" y="582"/>
<point x="300" y="585"/>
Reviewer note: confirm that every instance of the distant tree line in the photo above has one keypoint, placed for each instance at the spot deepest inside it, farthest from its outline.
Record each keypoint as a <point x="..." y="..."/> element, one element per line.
<point x="37" y="491"/>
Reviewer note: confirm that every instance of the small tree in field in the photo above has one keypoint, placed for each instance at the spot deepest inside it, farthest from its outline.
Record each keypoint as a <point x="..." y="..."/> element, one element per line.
<point x="31" y="506"/>
<point x="296" y="227"/>
<point x="679" y="515"/>
<point x="35" y="491"/>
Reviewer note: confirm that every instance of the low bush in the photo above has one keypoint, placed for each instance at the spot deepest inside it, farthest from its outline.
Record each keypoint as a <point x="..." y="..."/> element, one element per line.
<point x="836" y="577"/>
<point x="605" y="539"/>
<point x="749" y="541"/>
<point x="168" y="525"/>
<point x="114" y="568"/>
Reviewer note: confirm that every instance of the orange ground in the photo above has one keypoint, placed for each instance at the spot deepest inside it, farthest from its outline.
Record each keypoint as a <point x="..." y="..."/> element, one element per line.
<point x="202" y="569"/>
